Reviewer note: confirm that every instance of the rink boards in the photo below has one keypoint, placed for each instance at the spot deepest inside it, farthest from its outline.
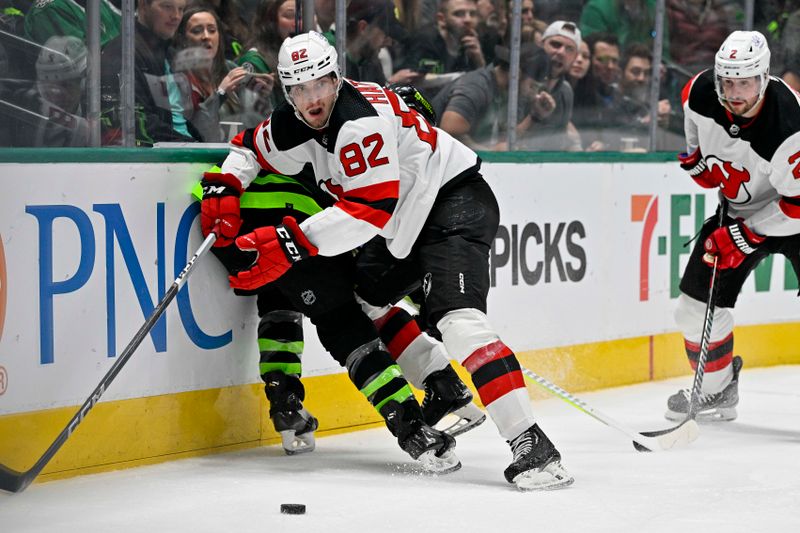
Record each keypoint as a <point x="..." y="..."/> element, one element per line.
<point x="584" y="272"/>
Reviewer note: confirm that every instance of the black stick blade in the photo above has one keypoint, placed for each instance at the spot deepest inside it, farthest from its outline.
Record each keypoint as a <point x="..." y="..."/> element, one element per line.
<point x="12" y="481"/>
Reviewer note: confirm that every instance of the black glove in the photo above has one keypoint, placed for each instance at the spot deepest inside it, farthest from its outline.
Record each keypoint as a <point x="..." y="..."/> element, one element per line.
<point x="414" y="99"/>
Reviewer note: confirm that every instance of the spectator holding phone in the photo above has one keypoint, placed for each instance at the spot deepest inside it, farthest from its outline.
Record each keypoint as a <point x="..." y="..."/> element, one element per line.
<point x="474" y="108"/>
<point x="210" y="83"/>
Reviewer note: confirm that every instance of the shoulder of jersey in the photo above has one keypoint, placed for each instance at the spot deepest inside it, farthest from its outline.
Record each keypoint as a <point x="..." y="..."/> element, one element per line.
<point x="782" y="107"/>
<point x="701" y="94"/>
<point x="350" y="105"/>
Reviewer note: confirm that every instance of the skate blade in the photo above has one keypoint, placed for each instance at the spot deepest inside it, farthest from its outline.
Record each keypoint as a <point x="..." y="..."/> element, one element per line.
<point x="553" y="476"/>
<point x="445" y="464"/>
<point x="721" y="414"/>
<point x="461" y="420"/>
<point x="297" y="444"/>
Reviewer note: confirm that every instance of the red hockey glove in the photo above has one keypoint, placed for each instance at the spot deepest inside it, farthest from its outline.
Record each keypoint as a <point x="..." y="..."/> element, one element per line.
<point x="278" y="248"/>
<point x="695" y="165"/>
<point x="219" y="211"/>
<point x="731" y="244"/>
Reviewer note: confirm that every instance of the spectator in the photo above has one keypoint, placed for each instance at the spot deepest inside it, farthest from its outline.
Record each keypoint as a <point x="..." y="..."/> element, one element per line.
<point x="210" y="91"/>
<point x="595" y="109"/>
<point x="532" y="29"/>
<point x="157" y="97"/>
<point x="580" y="67"/>
<point x="371" y="25"/>
<point x="633" y="116"/>
<point x="489" y="28"/>
<point x="703" y="23"/>
<point x="68" y="17"/>
<point x="273" y="23"/>
<point x="325" y="11"/>
<point x="632" y="21"/>
<point x="233" y="27"/>
<point x="474" y="108"/>
<point x="547" y="124"/>
<point x="453" y="45"/>
<point x="59" y="94"/>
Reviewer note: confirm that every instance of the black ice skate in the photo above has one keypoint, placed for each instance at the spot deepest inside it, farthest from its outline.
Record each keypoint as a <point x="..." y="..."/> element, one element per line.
<point x="292" y="421"/>
<point x="537" y="463"/>
<point x="431" y="447"/>
<point x="446" y="394"/>
<point x="720" y="406"/>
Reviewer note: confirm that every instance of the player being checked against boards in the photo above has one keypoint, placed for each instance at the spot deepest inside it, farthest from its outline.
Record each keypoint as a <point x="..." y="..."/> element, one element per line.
<point x="413" y="199"/>
<point x="742" y="138"/>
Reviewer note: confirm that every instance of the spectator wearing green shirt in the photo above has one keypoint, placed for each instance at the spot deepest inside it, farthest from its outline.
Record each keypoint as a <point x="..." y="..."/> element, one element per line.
<point x="47" y="18"/>
<point x="633" y="21"/>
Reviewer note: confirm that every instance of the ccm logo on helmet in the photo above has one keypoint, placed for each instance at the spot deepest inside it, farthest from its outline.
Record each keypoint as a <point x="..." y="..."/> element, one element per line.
<point x="299" y="54"/>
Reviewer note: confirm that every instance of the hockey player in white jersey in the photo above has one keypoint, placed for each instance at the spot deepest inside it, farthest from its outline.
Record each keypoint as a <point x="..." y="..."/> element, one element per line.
<point x="413" y="198"/>
<point x="743" y="138"/>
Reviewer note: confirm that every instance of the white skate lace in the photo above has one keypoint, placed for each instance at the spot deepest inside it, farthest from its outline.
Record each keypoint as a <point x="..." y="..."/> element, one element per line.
<point x="523" y="444"/>
<point x="702" y="398"/>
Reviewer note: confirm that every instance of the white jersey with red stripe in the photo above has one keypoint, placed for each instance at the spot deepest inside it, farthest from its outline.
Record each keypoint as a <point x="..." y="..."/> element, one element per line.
<point x="757" y="159"/>
<point x="383" y="163"/>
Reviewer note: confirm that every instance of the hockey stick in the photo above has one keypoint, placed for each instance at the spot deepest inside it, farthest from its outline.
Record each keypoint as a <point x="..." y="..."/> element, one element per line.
<point x="13" y="481"/>
<point x="680" y="435"/>
<point x="708" y="321"/>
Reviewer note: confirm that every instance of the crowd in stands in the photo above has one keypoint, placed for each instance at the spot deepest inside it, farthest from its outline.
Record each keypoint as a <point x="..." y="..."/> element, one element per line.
<point x="205" y="69"/>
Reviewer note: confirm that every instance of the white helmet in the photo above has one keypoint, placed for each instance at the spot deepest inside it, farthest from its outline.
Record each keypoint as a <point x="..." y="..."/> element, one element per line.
<point x="306" y="57"/>
<point x="61" y="58"/>
<point x="744" y="54"/>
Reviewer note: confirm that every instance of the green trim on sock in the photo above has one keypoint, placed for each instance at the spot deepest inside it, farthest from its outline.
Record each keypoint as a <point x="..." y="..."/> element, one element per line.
<point x="269" y="345"/>
<point x="400" y="396"/>
<point x="286" y="368"/>
<point x="383" y="378"/>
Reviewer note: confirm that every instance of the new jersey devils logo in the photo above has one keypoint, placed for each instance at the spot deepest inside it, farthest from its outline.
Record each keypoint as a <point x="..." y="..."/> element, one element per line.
<point x="731" y="177"/>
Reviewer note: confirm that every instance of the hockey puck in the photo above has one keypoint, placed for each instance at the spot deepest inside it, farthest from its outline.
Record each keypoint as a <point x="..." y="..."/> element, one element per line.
<point x="293" y="508"/>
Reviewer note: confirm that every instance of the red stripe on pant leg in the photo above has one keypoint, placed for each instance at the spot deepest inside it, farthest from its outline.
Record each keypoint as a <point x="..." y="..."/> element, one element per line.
<point x="404" y="337"/>
<point x="481" y="356"/>
<point x="714" y="361"/>
<point x="719" y="364"/>
<point x="379" y="322"/>
<point x="501" y="386"/>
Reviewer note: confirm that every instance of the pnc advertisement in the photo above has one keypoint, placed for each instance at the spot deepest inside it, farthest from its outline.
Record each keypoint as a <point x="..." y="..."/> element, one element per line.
<point x="584" y="253"/>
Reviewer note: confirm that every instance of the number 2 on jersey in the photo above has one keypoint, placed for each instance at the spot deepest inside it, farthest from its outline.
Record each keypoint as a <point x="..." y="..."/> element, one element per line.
<point x="352" y="157"/>
<point x="796" y="170"/>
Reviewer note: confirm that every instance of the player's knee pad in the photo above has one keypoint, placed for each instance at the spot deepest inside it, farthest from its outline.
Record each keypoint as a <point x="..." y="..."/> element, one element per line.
<point x="464" y="331"/>
<point x="690" y="318"/>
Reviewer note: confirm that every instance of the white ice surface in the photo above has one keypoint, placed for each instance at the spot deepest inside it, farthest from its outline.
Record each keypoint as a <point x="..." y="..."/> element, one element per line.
<point x="741" y="476"/>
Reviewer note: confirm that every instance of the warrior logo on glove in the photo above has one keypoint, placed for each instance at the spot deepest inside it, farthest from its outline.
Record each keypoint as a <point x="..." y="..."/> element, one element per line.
<point x="731" y="244"/>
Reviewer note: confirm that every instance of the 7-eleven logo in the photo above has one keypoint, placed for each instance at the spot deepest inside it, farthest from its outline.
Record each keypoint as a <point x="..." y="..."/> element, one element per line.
<point x="644" y="208"/>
